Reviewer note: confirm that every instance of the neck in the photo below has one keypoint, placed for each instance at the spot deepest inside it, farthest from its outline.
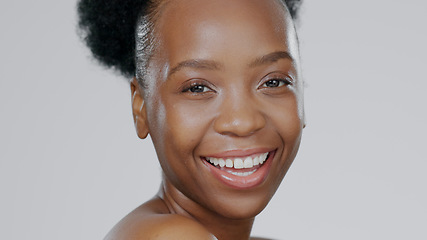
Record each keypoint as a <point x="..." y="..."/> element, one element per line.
<point x="222" y="227"/>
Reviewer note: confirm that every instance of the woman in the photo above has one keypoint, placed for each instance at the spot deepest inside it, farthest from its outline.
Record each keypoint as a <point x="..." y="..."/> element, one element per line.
<point x="217" y="85"/>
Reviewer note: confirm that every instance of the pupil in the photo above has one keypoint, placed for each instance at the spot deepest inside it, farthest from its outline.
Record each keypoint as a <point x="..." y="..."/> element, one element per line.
<point x="197" y="89"/>
<point x="272" y="83"/>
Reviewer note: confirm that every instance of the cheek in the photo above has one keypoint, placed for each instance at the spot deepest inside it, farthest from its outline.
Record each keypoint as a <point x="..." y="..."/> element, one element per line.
<point x="176" y="127"/>
<point x="187" y="123"/>
<point x="287" y="123"/>
<point x="287" y="120"/>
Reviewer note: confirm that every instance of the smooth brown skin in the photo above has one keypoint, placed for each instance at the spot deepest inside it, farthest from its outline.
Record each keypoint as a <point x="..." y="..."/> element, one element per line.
<point x="243" y="44"/>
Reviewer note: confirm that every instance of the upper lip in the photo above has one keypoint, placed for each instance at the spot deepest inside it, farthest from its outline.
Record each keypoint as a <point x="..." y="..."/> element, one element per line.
<point x="239" y="153"/>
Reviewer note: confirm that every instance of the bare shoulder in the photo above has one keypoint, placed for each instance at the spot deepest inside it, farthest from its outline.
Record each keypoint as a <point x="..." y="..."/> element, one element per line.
<point x="142" y="225"/>
<point x="162" y="226"/>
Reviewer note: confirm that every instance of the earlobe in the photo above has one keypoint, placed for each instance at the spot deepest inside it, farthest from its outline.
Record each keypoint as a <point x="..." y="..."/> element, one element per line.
<point x="139" y="110"/>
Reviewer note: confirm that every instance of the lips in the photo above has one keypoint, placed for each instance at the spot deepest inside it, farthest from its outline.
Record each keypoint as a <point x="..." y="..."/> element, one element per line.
<point x="241" y="171"/>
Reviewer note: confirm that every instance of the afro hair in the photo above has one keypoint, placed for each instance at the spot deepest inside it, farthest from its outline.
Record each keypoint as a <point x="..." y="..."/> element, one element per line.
<point x="108" y="29"/>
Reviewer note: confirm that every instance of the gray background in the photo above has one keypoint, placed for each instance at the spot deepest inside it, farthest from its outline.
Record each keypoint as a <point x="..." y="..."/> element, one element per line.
<point x="71" y="165"/>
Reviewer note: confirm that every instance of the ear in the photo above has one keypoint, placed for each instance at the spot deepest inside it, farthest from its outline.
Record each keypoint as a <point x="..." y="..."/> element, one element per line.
<point x="139" y="110"/>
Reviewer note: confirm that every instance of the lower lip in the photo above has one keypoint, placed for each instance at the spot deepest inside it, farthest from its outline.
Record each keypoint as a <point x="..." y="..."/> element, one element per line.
<point x="242" y="182"/>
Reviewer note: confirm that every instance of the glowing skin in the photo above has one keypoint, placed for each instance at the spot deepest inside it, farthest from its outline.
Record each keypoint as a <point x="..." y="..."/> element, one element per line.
<point x="223" y="87"/>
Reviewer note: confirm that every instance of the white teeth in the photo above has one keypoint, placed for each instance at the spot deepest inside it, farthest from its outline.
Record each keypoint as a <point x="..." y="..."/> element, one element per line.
<point x="248" y="162"/>
<point x="256" y="160"/>
<point x="229" y="163"/>
<point x="221" y="162"/>
<point x="243" y="174"/>
<point x="239" y="163"/>
<point x="264" y="157"/>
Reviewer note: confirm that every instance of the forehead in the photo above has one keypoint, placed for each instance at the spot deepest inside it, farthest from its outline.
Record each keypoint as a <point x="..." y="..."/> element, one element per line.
<point x="202" y="26"/>
<point x="202" y="9"/>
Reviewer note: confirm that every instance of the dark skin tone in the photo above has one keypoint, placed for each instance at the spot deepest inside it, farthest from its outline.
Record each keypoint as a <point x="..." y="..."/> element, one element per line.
<point x="223" y="83"/>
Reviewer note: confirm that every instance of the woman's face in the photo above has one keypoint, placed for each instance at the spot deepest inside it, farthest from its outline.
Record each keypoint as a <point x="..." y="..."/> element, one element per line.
<point x="224" y="89"/>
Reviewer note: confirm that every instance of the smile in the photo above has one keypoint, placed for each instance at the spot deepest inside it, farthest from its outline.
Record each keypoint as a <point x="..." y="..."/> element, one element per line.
<point x="241" y="171"/>
<point x="251" y="163"/>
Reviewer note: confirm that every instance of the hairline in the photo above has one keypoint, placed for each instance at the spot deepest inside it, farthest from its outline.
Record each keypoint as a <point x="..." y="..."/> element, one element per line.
<point x="145" y="31"/>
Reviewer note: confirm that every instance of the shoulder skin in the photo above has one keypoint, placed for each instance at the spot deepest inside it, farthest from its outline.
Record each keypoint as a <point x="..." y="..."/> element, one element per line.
<point x="159" y="227"/>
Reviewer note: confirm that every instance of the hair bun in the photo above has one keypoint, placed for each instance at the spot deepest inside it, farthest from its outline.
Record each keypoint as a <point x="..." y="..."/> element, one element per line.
<point x="108" y="28"/>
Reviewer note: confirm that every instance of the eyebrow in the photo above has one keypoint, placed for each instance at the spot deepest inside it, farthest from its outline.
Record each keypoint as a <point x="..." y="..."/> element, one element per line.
<point x="213" y="65"/>
<point x="196" y="64"/>
<point x="270" y="58"/>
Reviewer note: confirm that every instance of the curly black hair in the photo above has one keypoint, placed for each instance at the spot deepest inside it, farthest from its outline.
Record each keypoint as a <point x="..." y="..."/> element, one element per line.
<point x="108" y="27"/>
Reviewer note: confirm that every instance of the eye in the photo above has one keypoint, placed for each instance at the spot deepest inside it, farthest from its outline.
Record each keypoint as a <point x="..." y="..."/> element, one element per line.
<point x="196" y="88"/>
<point x="276" y="82"/>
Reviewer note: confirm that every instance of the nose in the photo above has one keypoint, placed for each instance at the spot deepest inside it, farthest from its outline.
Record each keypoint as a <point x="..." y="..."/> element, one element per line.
<point x="239" y="116"/>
